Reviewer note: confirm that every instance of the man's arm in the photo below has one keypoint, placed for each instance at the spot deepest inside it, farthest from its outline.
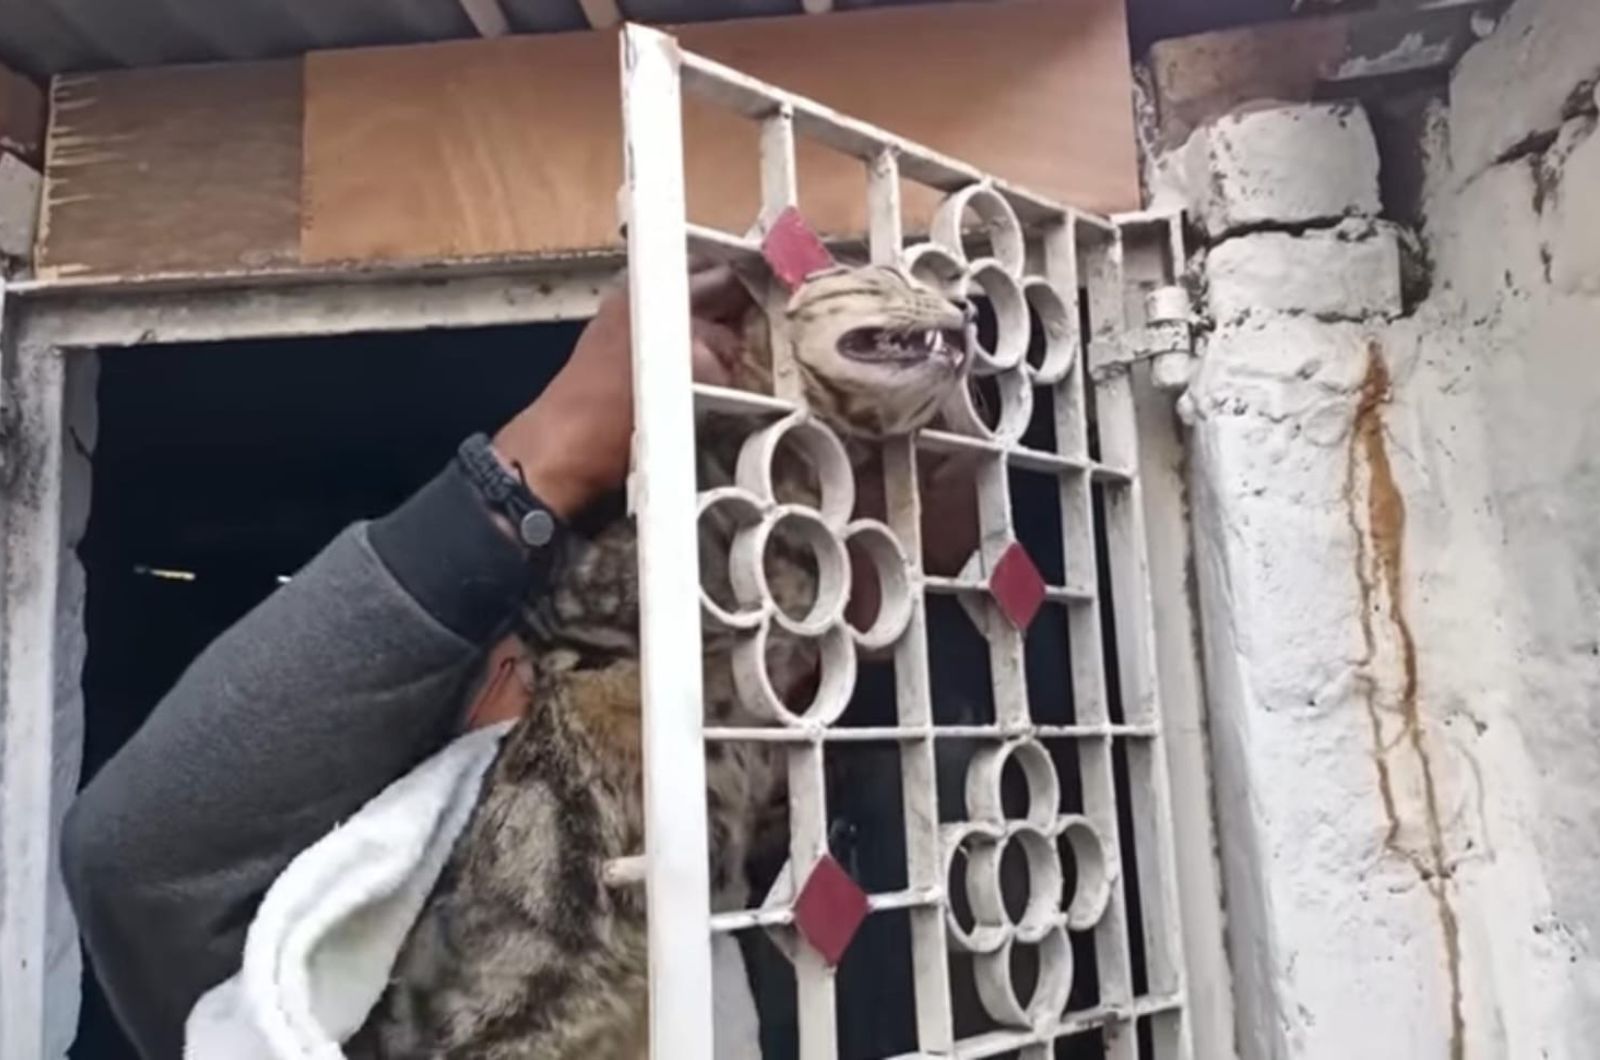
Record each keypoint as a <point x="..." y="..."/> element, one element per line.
<point x="328" y="691"/>
<point x="313" y="703"/>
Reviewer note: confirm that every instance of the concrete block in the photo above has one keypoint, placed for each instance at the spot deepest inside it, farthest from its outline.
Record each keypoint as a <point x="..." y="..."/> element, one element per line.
<point x="1486" y="237"/>
<point x="1570" y="223"/>
<point x="1199" y="78"/>
<point x="19" y="207"/>
<point x="1280" y="166"/>
<point x="1351" y="272"/>
<point x="1519" y="81"/>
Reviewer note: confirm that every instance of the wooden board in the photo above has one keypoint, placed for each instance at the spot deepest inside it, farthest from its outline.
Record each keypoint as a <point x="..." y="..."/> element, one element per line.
<point x="1200" y="78"/>
<point x="182" y="169"/>
<point x="513" y="145"/>
<point x="509" y="147"/>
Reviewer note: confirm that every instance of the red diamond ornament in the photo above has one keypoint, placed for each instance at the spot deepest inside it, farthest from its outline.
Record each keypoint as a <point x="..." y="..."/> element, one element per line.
<point x="793" y="250"/>
<point x="1017" y="585"/>
<point x="829" y="909"/>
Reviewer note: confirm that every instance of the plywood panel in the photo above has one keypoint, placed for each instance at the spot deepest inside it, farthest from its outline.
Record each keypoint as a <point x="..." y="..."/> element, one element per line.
<point x="478" y="149"/>
<point x="173" y="170"/>
<point x="457" y="150"/>
<point x="512" y="146"/>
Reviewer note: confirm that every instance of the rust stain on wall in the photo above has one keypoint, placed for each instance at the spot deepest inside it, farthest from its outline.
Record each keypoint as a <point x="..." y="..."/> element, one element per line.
<point x="1380" y="555"/>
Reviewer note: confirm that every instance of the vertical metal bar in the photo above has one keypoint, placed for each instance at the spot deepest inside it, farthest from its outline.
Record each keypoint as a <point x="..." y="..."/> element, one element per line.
<point x="913" y="690"/>
<point x="779" y="191"/>
<point x="34" y="395"/>
<point x="918" y="779"/>
<point x="885" y="229"/>
<point x="815" y="980"/>
<point x="780" y="186"/>
<point x="677" y="876"/>
<point x="1130" y="578"/>
<point x="1063" y="255"/>
<point x="1007" y="667"/>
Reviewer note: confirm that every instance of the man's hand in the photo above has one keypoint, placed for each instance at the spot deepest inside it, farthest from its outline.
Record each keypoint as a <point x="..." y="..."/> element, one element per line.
<point x="573" y="442"/>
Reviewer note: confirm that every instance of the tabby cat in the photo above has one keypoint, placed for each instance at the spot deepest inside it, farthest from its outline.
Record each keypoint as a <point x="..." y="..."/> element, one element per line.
<point x="522" y="951"/>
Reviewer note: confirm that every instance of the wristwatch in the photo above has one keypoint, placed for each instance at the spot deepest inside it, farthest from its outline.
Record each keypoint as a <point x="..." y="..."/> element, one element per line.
<point x="506" y="493"/>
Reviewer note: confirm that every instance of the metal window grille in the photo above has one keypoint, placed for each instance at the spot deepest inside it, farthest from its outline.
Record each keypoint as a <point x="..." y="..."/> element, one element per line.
<point x="1046" y="269"/>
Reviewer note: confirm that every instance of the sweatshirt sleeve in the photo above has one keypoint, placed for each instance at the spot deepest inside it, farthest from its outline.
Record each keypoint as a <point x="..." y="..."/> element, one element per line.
<point x="333" y="687"/>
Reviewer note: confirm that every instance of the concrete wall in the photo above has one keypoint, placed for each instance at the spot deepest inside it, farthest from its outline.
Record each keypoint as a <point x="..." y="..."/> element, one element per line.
<point x="1397" y="520"/>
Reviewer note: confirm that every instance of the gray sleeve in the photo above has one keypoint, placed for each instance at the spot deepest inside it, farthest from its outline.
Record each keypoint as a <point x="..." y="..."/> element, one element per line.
<point x="338" y="683"/>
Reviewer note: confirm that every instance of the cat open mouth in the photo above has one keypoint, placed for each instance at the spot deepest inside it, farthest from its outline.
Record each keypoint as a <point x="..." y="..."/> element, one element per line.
<point x="892" y="346"/>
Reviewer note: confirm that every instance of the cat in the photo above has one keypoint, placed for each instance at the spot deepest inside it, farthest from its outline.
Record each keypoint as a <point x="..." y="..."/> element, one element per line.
<point x="522" y="952"/>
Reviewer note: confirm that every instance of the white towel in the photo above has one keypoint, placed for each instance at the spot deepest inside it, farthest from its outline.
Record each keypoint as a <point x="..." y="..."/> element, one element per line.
<point x="320" y="949"/>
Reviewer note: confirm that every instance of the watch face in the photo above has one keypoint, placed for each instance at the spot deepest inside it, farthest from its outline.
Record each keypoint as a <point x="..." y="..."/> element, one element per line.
<point x="537" y="528"/>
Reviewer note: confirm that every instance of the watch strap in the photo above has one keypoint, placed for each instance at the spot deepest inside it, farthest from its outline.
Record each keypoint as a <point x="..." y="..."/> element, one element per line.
<point x="507" y="493"/>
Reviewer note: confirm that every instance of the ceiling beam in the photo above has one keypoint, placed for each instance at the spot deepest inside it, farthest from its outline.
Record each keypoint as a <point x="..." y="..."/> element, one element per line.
<point x="602" y="14"/>
<point x="487" y="17"/>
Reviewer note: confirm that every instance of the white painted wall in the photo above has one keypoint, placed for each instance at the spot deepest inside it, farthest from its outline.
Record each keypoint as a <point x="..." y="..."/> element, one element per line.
<point x="1397" y="521"/>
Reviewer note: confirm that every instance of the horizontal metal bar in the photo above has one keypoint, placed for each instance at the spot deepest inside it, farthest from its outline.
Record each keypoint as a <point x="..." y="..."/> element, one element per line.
<point x="720" y="246"/>
<point x="610" y="259"/>
<point x="997" y="1043"/>
<point x="1055" y="594"/>
<point x="624" y="872"/>
<point x="745" y="919"/>
<point x="332" y="305"/>
<point x="1019" y="456"/>
<point x="1113" y="476"/>
<point x="724" y="399"/>
<point x="906" y="734"/>
<point x="757" y="100"/>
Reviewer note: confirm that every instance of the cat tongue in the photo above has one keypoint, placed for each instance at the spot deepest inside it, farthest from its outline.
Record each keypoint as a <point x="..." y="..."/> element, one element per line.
<point x="793" y="250"/>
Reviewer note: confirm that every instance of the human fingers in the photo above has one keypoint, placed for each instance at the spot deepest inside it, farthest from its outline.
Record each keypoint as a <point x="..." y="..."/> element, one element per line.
<point x="715" y="293"/>
<point x="715" y="350"/>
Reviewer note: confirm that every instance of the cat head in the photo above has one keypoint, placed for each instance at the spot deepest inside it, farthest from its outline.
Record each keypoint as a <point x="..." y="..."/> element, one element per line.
<point x="878" y="351"/>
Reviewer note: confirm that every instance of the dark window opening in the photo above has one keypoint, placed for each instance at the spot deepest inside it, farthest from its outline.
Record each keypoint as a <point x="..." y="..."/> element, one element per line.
<point x="220" y="469"/>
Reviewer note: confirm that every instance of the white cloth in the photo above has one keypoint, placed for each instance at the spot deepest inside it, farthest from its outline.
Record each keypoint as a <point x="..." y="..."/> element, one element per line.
<point x="318" y="954"/>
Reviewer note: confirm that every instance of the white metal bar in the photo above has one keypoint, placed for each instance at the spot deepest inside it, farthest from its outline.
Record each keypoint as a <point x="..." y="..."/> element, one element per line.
<point x="1062" y="259"/>
<point x="1021" y="457"/>
<point x="721" y="399"/>
<point x="914" y="712"/>
<point x="34" y="395"/>
<point x="815" y="981"/>
<point x="915" y="732"/>
<point x="1055" y="594"/>
<point x="779" y="184"/>
<point x="142" y="317"/>
<point x="677" y="870"/>
<point x="885" y="224"/>
<point x="1154" y="254"/>
<point x="1007" y="669"/>
<point x="498" y="265"/>
<point x="779" y="191"/>
<point x="717" y="245"/>
<point x="1130" y="577"/>
<point x="744" y="919"/>
<point x="758" y="100"/>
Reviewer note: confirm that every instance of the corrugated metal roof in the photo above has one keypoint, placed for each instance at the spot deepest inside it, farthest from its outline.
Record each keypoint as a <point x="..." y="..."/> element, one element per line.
<point x="44" y="37"/>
